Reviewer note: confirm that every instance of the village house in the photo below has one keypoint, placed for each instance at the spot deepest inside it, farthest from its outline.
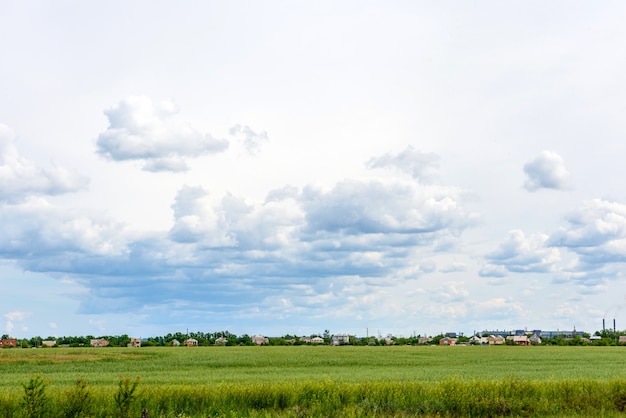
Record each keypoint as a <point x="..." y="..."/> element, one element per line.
<point x="260" y="340"/>
<point x="317" y="340"/>
<point x="387" y="341"/>
<point x="8" y="342"/>
<point x="495" y="340"/>
<point x="340" y="339"/>
<point x="221" y="340"/>
<point x="519" y="339"/>
<point x="424" y="340"/>
<point x="190" y="342"/>
<point x="535" y="339"/>
<point x="49" y="343"/>
<point x="479" y="340"/>
<point x="101" y="342"/>
<point x="134" y="342"/>
<point x="448" y="341"/>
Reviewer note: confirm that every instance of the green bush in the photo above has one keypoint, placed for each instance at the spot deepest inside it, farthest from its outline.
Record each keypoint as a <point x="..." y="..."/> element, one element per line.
<point x="77" y="400"/>
<point x="125" y="395"/>
<point x="34" y="400"/>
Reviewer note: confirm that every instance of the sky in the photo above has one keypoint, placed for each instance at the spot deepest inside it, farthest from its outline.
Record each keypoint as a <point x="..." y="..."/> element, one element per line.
<point x="279" y="167"/>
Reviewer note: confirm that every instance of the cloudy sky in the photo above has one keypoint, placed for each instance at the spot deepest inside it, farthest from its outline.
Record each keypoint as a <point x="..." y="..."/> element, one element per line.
<point x="289" y="167"/>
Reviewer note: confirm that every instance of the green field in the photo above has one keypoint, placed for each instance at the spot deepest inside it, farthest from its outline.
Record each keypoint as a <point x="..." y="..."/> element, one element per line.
<point x="326" y="381"/>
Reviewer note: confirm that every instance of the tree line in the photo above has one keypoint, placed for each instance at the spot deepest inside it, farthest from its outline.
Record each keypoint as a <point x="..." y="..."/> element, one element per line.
<point x="607" y="337"/>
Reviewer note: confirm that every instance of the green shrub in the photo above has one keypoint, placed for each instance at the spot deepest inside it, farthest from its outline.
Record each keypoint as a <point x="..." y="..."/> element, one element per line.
<point x="34" y="400"/>
<point x="77" y="400"/>
<point x="125" y="395"/>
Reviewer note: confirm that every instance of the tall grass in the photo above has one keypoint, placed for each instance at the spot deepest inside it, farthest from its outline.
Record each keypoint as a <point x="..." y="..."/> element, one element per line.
<point x="314" y="381"/>
<point x="451" y="397"/>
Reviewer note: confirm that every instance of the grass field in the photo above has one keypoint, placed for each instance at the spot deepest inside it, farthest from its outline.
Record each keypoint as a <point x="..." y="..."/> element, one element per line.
<point x="326" y="381"/>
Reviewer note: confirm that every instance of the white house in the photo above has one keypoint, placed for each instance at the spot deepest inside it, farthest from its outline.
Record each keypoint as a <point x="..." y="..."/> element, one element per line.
<point x="339" y="339"/>
<point x="260" y="340"/>
<point x="317" y="340"/>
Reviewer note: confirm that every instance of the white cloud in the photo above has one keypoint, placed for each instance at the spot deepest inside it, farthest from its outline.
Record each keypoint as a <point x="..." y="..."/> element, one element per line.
<point x="596" y="224"/>
<point x="519" y="253"/>
<point x="140" y="129"/>
<point x="252" y="141"/>
<point x="546" y="171"/>
<point x="491" y="270"/>
<point x="450" y="292"/>
<point x="454" y="267"/>
<point x="20" y="177"/>
<point x="36" y="232"/>
<point x="354" y="207"/>
<point x="421" y="166"/>
<point x="242" y="251"/>
<point x="15" y="317"/>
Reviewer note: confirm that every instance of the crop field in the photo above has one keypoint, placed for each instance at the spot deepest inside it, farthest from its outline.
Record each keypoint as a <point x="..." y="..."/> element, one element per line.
<point x="313" y="381"/>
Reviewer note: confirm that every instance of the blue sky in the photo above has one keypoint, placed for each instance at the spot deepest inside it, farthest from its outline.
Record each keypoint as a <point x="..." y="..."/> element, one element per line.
<point x="279" y="167"/>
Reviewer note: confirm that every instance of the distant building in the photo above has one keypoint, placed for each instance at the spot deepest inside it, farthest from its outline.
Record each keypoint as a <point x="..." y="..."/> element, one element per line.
<point x="563" y="334"/>
<point x="100" y="342"/>
<point x="447" y="341"/>
<point x="340" y="339"/>
<point x="479" y="340"/>
<point x="317" y="340"/>
<point x="387" y="340"/>
<point x="191" y="342"/>
<point x="495" y="340"/>
<point x="135" y="342"/>
<point x="518" y="339"/>
<point x="260" y="340"/>
<point x="49" y="343"/>
<point x="8" y="342"/>
<point x="502" y="333"/>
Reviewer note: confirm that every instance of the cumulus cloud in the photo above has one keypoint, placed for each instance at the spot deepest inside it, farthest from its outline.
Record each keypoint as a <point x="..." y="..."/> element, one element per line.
<point x="20" y="177"/>
<point x="522" y="254"/>
<point x="197" y="221"/>
<point x="454" y="267"/>
<point x="352" y="207"/>
<point x="13" y="317"/>
<point x="491" y="270"/>
<point x="546" y="171"/>
<point x="588" y="250"/>
<point x="38" y="235"/>
<point x="252" y="140"/>
<point x="140" y="129"/>
<point x="450" y="292"/>
<point x="596" y="234"/>
<point x="225" y="253"/>
<point x="421" y="166"/>
<point x="241" y="252"/>
<point x="596" y="224"/>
